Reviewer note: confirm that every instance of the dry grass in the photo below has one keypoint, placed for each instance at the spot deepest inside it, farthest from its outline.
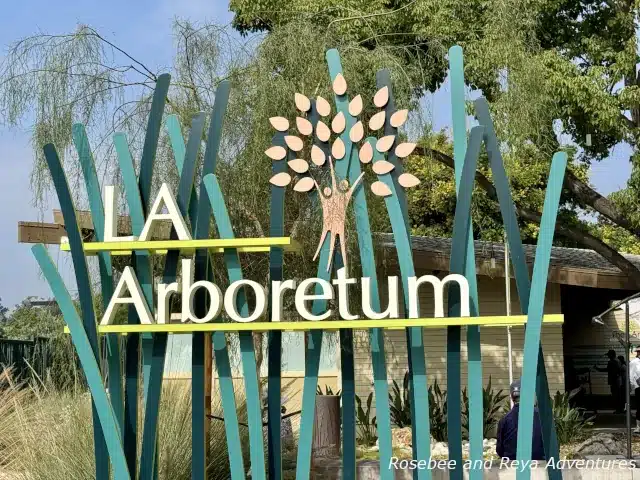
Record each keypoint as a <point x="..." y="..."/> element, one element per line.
<point x="48" y="435"/>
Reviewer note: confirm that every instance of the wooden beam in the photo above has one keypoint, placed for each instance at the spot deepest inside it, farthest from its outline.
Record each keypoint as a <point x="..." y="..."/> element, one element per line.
<point x="86" y="223"/>
<point x="37" y="232"/>
<point x="162" y="228"/>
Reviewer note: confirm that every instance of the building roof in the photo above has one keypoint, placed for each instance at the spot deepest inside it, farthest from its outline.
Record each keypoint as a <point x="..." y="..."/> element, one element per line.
<point x="573" y="266"/>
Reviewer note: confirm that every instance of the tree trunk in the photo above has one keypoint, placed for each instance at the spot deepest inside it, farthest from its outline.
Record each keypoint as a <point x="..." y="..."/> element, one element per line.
<point x="588" y="197"/>
<point x="326" y="426"/>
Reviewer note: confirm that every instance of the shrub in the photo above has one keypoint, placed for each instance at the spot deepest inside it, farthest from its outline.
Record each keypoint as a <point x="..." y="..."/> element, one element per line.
<point x="493" y="409"/>
<point x="571" y="423"/>
<point x="438" y="412"/>
<point x="367" y="426"/>
<point x="400" y="407"/>
<point x="11" y="397"/>
<point x="400" y="404"/>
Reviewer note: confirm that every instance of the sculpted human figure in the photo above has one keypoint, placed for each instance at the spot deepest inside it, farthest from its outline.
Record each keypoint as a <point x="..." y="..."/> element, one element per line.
<point x="334" y="201"/>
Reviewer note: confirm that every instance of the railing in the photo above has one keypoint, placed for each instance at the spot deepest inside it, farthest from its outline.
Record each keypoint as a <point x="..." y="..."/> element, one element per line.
<point x="26" y="358"/>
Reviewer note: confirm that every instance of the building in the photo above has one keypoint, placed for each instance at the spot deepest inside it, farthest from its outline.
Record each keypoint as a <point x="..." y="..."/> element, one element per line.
<point x="581" y="285"/>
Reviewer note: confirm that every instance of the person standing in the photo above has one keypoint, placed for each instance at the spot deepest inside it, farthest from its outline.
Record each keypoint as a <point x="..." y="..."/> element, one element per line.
<point x="613" y="380"/>
<point x="507" y="438"/>
<point x="623" y="380"/>
<point x="634" y="382"/>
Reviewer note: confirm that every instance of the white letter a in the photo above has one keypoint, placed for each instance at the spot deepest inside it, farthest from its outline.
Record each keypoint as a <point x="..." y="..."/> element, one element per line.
<point x="128" y="282"/>
<point x="165" y="199"/>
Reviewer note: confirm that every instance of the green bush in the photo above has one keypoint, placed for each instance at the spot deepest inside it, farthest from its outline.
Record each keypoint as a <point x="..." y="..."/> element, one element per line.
<point x="493" y="409"/>
<point x="400" y="404"/>
<point x="367" y="426"/>
<point x="56" y="349"/>
<point x="438" y="412"/>
<point x="400" y="408"/>
<point x="571" y="423"/>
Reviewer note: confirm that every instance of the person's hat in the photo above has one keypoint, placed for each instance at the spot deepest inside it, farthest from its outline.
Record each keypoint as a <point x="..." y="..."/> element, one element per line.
<point x="514" y="389"/>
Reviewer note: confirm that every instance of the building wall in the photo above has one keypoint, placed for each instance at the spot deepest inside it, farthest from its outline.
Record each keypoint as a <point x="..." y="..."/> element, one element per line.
<point x="494" y="343"/>
<point x="178" y="359"/>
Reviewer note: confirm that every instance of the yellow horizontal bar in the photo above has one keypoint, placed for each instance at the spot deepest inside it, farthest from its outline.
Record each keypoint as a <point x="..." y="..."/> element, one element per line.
<point x="214" y="245"/>
<point x="116" y="253"/>
<point x="364" y="324"/>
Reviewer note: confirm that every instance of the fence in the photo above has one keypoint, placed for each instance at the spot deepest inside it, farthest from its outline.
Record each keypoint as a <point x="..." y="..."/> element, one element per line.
<point x="25" y="357"/>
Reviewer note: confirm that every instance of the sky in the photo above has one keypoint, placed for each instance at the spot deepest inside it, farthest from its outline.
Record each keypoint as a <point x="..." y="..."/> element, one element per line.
<point x="144" y="27"/>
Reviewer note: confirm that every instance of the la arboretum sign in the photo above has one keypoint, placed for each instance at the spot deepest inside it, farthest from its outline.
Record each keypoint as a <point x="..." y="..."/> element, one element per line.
<point x="128" y="290"/>
<point x="325" y="160"/>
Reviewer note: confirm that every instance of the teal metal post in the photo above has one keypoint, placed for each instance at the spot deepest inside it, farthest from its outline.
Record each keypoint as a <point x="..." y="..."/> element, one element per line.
<point x="274" y="351"/>
<point x="141" y="264"/>
<point x="92" y="184"/>
<point x="420" y="427"/>
<point x="521" y="272"/>
<point x="463" y="249"/>
<point x="149" y="439"/>
<point x="234" y="271"/>
<point x="84" y="293"/>
<point x="347" y="363"/>
<point x="81" y="340"/>
<point x="376" y="335"/>
<point x="397" y="207"/>
<point x="202" y="271"/>
<point x="536" y="310"/>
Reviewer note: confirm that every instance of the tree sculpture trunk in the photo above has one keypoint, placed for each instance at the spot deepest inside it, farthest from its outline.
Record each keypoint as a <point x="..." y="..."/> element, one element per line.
<point x="326" y="427"/>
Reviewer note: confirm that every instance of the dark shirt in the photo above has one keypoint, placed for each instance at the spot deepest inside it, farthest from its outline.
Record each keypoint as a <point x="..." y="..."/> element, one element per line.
<point x="623" y="375"/>
<point x="613" y="372"/>
<point x="507" y="440"/>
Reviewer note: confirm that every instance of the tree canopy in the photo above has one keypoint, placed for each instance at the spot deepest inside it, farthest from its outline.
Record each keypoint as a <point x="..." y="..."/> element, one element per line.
<point x="551" y="70"/>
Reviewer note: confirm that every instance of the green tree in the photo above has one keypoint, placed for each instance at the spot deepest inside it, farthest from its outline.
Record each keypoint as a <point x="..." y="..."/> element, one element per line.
<point x="432" y="207"/>
<point x="27" y="322"/>
<point x="536" y="62"/>
<point x="3" y="312"/>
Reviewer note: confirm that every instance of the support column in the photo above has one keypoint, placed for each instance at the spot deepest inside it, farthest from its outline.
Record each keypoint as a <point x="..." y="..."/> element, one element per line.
<point x="208" y="384"/>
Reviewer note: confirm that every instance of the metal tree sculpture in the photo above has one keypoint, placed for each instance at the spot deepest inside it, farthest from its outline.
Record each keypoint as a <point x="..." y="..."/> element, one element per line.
<point x="335" y="196"/>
